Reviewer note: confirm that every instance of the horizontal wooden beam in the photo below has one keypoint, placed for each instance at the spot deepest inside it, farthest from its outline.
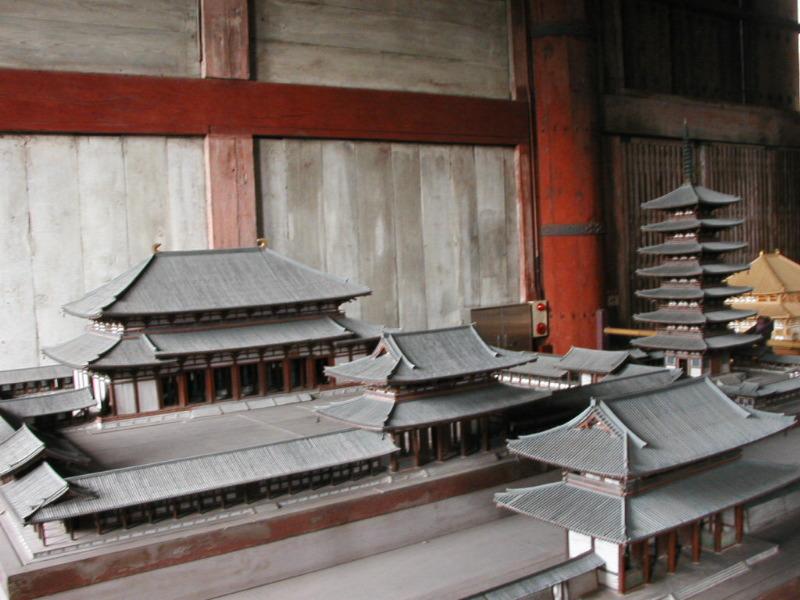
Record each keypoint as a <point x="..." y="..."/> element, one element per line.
<point x="663" y="116"/>
<point x="61" y="102"/>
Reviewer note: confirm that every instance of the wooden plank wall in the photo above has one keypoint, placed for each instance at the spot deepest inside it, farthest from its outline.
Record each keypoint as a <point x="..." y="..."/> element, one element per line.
<point x="76" y="211"/>
<point x="148" y="37"/>
<point x="430" y="228"/>
<point x="440" y="46"/>
<point x="767" y="179"/>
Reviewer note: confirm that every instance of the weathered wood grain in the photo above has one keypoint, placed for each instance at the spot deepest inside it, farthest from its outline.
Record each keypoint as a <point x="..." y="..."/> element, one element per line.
<point x="412" y="306"/>
<point x="57" y="265"/>
<point x="273" y="193"/>
<point x="445" y="47"/>
<point x="306" y="227"/>
<point x="376" y="232"/>
<point x="340" y="210"/>
<point x="225" y="38"/>
<point x="18" y="342"/>
<point x="153" y="37"/>
<point x="146" y="194"/>
<point x="491" y="218"/>
<point x="512" y="229"/>
<point x="462" y="181"/>
<point x="186" y="217"/>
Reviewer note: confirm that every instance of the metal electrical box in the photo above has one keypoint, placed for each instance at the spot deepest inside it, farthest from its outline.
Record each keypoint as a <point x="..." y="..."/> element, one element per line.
<point x="512" y="326"/>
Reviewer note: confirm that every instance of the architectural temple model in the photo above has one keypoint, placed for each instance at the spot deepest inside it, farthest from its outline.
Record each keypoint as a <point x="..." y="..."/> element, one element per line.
<point x="651" y="463"/>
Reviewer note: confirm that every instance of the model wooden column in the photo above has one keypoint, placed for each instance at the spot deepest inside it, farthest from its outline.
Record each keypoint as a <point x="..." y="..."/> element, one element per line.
<point x="672" y="551"/>
<point x="696" y="542"/>
<point x="262" y="377"/>
<point x="718" y="532"/>
<point x="183" y="389"/>
<point x="739" y="520"/>
<point x="568" y="168"/>
<point x="236" y="381"/>
<point x="646" y="572"/>
<point x="209" y="384"/>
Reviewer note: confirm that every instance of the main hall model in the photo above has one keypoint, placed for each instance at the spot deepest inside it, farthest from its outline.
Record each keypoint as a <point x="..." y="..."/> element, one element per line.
<point x="188" y="328"/>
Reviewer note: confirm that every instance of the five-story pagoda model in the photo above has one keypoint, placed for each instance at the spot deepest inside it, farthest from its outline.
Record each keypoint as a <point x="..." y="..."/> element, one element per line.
<point x="691" y="317"/>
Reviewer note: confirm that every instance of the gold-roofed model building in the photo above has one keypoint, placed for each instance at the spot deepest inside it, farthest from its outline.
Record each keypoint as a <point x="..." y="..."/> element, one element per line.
<point x="775" y="282"/>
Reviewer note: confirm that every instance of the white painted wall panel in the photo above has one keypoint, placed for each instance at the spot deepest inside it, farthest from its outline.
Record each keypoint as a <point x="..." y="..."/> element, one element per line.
<point x="443" y="46"/>
<point x="152" y="37"/>
<point x="76" y="211"/>
<point x="404" y="219"/>
<point x="148" y="395"/>
<point x="578" y="543"/>
<point x="125" y="398"/>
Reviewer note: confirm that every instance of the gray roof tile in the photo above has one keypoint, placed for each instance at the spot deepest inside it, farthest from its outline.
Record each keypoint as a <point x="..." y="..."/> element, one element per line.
<point x="420" y="356"/>
<point x="209" y="280"/>
<point x="32" y="374"/>
<point x="607" y="517"/>
<point x="34" y="490"/>
<point x="19" y="449"/>
<point x="544" y="365"/>
<point x="48" y="404"/>
<point x="690" y="196"/>
<point x="374" y="412"/>
<point x="592" y="361"/>
<point x="109" y="490"/>
<point x="651" y="431"/>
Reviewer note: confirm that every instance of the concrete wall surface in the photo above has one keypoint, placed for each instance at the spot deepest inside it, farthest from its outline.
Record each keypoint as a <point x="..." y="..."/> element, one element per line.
<point x="75" y="211"/>
<point x="431" y="229"/>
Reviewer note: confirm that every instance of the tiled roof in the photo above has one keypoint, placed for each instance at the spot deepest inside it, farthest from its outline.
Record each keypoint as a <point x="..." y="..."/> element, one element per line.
<point x="691" y="224"/>
<point x="210" y="280"/>
<point x="32" y="374"/>
<point x="18" y="449"/>
<point x="544" y="365"/>
<point x="676" y="248"/>
<point x="51" y="403"/>
<point x="421" y="356"/>
<point x="690" y="268"/>
<point x="690" y="343"/>
<point x="690" y="196"/>
<point x="692" y="293"/>
<point x="624" y="519"/>
<point x="592" y="361"/>
<point x="131" y="486"/>
<point x="378" y="413"/>
<point x="693" y="317"/>
<point x="34" y="490"/>
<point x="650" y="431"/>
<point x="770" y="273"/>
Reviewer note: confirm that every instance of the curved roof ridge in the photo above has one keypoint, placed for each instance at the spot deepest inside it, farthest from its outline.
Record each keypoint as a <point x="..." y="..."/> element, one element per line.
<point x="624" y="429"/>
<point x="491" y="350"/>
<point x="95" y="310"/>
<point x="397" y="352"/>
<point x="265" y="250"/>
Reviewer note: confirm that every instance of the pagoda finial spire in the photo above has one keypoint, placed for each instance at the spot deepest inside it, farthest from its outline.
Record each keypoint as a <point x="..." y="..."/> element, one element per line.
<point x="688" y="158"/>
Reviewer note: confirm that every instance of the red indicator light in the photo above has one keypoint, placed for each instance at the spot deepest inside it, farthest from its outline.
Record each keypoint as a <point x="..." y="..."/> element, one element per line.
<point x="541" y="307"/>
<point x="541" y="328"/>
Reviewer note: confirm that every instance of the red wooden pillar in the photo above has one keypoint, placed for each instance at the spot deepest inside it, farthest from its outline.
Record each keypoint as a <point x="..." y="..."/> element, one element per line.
<point x="236" y="381"/>
<point x="287" y="375"/>
<point x="696" y="542"/>
<point x="739" y="520"/>
<point x="621" y="579"/>
<point x="183" y="389"/>
<point x="672" y="551"/>
<point x="230" y="177"/>
<point x="646" y="571"/>
<point x="210" y="393"/>
<point x="262" y="377"/>
<point x="567" y="159"/>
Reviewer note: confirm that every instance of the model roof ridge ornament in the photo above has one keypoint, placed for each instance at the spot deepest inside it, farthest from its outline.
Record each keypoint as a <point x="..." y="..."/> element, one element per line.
<point x="174" y="282"/>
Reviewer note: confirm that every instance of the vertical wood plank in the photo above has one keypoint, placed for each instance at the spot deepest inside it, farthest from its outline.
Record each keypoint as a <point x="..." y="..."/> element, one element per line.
<point x="463" y="182"/>
<point x="490" y="189"/>
<point x="512" y="227"/>
<point x="273" y="194"/>
<point x="55" y="227"/>
<point x="146" y="194"/>
<point x="18" y="343"/>
<point x="225" y="39"/>
<point x="306" y="226"/>
<point x="187" y="196"/>
<point x="104" y="227"/>
<point x="230" y="190"/>
<point x="376" y="232"/>
<point x="411" y="299"/>
<point x="340" y="211"/>
<point x="440" y="237"/>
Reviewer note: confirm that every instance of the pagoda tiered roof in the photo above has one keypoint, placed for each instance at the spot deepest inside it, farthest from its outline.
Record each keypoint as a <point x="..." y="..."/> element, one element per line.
<point x="678" y="316"/>
<point x="674" y="292"/>
<point x="691" y="268"/>
<point x="689" y="195"/>
<point x="651" y="431"/>
<point x="691" y="246"/>
<point x="425" y="356"/>
<point x="681" y="225"/>
<point x="212" y="280"/>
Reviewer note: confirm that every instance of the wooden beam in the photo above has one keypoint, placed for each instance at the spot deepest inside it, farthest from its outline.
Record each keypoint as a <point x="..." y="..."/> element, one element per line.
<point x="663" y="115"/>
<point x="520" y="56"/>
<point x="230" y="191"/>
<point x="62" y="102"/>
<point x="224" y="38"/>
<point x="696" y="542"/>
